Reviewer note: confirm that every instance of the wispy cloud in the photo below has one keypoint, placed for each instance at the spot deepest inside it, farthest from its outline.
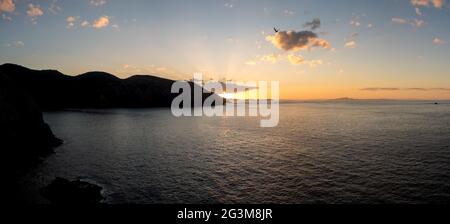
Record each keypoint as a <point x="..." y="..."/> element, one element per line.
<point x="272" y="58"/>
<point x="97" y="2"/>
<point x="296" y="60"/>
<point x="414" y="22"/>
<point x="288" y="12"/>
<point x="418" y="11"/>
<point x="403" y="89"/>
<point x="350" y="44"/>
<point x="54" y="8"/>
<point x="351" y="41"/>
<point x="439" y="41"/>
<point x="354" y="22"/>
<point x="230" y="4"/>
<point x="231" y="40"/>
<point x="299" y="60"/>
<point x="291" y="58"/>
<point x="399" y="20"/>
<point x="418" y="23"/>
<point x="17" y="43"/>
<point x="6" y="17"/>
<point x="85" y="23"/>
<point x="313" y="25"/>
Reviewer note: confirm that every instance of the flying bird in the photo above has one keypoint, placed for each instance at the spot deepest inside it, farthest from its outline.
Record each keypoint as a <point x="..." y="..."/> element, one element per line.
<point x="275" y="29"/>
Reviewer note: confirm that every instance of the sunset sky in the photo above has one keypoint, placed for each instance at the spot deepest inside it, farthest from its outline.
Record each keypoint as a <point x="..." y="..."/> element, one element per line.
<point x="324" y="49"/>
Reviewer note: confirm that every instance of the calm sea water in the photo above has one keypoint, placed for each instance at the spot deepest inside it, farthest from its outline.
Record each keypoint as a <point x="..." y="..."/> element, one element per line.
<point x="323" y="152"/>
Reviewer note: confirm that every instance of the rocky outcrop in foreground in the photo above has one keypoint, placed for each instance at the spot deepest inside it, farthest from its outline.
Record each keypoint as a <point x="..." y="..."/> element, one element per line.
<point x="24" y="134"/>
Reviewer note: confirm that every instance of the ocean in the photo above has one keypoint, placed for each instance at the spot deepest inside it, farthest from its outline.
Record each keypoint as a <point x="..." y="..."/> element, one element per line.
<point x="321" y="152"/>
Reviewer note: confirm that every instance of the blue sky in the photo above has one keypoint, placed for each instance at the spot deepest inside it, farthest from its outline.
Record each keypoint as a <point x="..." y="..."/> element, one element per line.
<point x="376" y="45"/>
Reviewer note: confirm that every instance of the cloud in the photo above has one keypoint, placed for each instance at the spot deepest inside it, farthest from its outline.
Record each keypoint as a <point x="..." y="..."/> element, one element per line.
<point x="379" y="89"/>
<point x="7" y="6"/>
<point x="418" y="11"/>
<point x="296" y="41"/>
<point x="351" y="41"/>
<point x="101" y="22"/>
<point x="228" y="5"/>
<point x="85" y="23"/>
<point x="288" y="12"/>
<point x="399" y="20"/>
<point x="251" y="63"/>
<point x="272" y="58"/>
<point x="418" y="23"/>
<point x="354" y="35"/>
<point x="54" y="8"/>
<point x="415" y="22"/>
<point x="315" y="24"/>
<point x="232" y="40"/>
<point x="350" y="44"/>
<point x="299" y="60"/>
<point x="295" y="60"/>
<point x="355" y="23"/>
<point x="370" y="25"/>
<point x="97" y="2"/>
<point x="291" y="58"/>
<point x="16" y="43"/>
<point x="314" y="63"/>
<point x="420" y="2"/>
<point x="71" y="20"/>
<point x="439" y="41"/>
<point x="7" y="18"/>
<point x="438" y="3"/>
<point x="404" y="89"/>
<point x="34" y="12"/>
<point x="425" y="3"/>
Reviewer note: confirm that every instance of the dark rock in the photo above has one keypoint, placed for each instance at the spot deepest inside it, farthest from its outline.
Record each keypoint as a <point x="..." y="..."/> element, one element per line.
<point x="62" y="191"/>
<point x="23" y="132"/>
<point x="24" y="136"/>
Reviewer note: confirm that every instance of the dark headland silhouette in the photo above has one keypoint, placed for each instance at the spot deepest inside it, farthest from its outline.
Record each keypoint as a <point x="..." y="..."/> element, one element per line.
<point x="24" y="93"/>
<point x="53" y="90"/>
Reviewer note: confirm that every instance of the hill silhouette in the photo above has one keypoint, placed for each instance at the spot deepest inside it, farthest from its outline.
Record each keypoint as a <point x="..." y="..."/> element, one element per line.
<point x="52" y="89"/>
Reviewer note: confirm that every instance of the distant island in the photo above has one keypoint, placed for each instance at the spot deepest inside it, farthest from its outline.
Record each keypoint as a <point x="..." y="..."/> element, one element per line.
<point x="353" y="99"/>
